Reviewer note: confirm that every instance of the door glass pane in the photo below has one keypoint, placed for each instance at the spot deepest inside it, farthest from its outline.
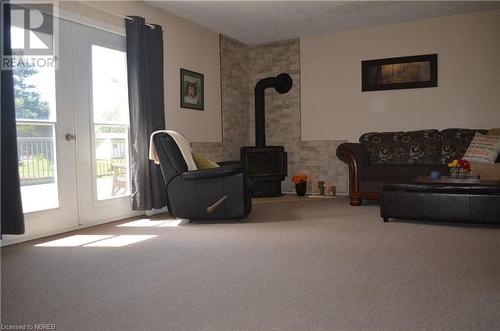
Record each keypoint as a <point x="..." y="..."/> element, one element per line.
<point x="35" y="100"/>
<point x="111" y="122"/>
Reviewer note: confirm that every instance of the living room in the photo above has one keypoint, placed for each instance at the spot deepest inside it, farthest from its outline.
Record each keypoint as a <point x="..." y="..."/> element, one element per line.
<point x="205" y="224"/>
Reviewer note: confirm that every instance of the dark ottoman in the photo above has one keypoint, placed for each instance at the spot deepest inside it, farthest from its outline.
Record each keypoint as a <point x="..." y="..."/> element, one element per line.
<point x="479" y="203"/>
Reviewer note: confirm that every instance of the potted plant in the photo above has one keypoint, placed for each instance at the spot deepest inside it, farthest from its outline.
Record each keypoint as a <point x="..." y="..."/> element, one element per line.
<point x="300" y="184"/>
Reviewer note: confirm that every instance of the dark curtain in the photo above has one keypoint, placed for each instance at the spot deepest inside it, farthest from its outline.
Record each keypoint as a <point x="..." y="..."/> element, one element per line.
<point x="147" y="111"/>
<point x="12" y="209"/>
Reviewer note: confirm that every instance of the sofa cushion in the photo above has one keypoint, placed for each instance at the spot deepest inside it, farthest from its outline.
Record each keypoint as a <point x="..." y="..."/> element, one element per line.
<point x="412" y="147"/>
<point x="454" y="143"/>
<point x="403" y="172"/>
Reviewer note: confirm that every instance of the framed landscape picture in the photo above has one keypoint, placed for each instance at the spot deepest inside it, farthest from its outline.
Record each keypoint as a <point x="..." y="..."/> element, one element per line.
<point x="192" y="90"/>
<point x="399" y="73"/>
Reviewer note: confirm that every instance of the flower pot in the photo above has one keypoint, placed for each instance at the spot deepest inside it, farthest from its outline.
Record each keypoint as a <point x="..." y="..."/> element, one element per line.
<point x="459" y="173"/>
<point x="300" y="188"/>
<point x="454" y="173"/>
<point x="463" y="174"/>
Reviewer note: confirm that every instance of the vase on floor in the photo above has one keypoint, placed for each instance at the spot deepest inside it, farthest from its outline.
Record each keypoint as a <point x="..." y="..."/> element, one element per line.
<point x="300" y="188"/>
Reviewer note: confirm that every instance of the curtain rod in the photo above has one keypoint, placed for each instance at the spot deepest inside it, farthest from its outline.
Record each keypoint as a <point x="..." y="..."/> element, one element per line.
<point x="152" y="26"/>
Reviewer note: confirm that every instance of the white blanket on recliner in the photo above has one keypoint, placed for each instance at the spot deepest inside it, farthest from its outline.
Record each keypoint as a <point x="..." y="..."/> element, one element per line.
<point x="182" y="143"/>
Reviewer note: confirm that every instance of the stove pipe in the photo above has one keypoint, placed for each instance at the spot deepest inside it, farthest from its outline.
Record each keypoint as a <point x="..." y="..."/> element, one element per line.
<point x="282" y="84"/>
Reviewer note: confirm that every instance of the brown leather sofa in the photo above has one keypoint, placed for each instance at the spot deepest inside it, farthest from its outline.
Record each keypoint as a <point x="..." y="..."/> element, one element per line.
<point x="400" y="157"/>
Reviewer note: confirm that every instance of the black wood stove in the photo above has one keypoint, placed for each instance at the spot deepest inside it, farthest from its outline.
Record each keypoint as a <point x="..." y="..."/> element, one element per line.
<point x="266" y="165"/>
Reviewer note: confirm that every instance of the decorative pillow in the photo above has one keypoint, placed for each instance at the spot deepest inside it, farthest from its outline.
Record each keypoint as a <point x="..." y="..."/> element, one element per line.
<point x="483" y="149"/>
<point x="202" y="162"/>
<point x="454" y="143"/>
<point x="412" y="147"/>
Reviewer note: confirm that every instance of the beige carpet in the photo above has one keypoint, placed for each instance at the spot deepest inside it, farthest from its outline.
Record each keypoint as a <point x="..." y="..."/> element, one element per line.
<point x="292" y="198"/>
<point x="306" y="265"/>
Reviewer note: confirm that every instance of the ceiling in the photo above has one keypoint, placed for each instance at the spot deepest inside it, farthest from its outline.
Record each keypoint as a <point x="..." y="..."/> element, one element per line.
<point x="254" y="22"/>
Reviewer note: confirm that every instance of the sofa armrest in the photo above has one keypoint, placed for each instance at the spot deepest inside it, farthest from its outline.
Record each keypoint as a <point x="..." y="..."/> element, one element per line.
<point x="486" y="171"/>
<point x="353" y="152"/>
<point x="223" y="171"/>
<point x="356" y="157"/>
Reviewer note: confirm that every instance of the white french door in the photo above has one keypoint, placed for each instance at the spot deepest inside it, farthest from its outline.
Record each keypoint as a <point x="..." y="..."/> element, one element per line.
<point x="73" y="133"/>
<point x="47" y="168"/>
<point x="101" y="104"/>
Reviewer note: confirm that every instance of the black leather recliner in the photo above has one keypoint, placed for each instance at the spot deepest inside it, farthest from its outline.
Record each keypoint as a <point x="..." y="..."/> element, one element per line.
<point x="219" y="193"/>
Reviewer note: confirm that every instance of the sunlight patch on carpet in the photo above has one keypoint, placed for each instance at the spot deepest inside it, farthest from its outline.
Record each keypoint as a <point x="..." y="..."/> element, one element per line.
<point x="120" y="241"/>
<point x="96" y="241"/>
<point x="144" y="222"/>
<point x="74" y="241"/>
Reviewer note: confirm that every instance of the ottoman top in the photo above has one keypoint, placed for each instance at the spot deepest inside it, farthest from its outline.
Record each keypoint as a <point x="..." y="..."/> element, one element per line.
<point x="484" y="187"/>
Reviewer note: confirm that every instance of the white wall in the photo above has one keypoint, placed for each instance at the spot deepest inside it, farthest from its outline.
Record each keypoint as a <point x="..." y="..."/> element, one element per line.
<point x="186" y="45"/>
<point x="468" y="93"/>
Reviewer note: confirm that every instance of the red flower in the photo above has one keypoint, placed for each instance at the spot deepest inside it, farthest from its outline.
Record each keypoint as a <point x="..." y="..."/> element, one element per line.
<point x="299" y="179"/>
<point x="464" y="164"/>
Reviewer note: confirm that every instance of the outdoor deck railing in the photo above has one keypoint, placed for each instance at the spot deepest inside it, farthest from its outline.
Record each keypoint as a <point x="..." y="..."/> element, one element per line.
<point x="36" y="160"/>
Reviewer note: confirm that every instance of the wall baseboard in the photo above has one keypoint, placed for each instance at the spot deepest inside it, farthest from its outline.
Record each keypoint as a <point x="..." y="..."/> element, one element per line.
<point x="156" y="211"/>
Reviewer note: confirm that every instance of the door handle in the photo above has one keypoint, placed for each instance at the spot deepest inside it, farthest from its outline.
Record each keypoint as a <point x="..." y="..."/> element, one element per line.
<point x="70" y="136"/>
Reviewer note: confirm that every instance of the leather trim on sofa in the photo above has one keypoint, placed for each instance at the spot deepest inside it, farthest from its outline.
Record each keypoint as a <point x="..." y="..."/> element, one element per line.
<point x="356" y="157"/>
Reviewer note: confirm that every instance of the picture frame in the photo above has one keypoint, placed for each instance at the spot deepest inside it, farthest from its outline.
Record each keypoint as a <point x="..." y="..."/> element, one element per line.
<point x="394" y="73"/>
<point x="192" y="90"/>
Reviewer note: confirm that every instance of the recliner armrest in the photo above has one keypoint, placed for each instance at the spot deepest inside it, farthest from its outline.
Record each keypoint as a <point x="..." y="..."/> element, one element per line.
<point x="223" y="171"/>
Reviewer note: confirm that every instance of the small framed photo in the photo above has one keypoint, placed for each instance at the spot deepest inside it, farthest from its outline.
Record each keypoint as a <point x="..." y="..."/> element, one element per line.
<point x="192" y="90"/>
<point x="399" y="73"/>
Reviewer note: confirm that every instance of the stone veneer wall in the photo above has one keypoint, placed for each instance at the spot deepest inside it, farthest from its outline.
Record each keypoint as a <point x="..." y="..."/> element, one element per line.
<point x="234" y="103"/>
<point x="241" y="67"/>
<point x="283" y="117"/>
